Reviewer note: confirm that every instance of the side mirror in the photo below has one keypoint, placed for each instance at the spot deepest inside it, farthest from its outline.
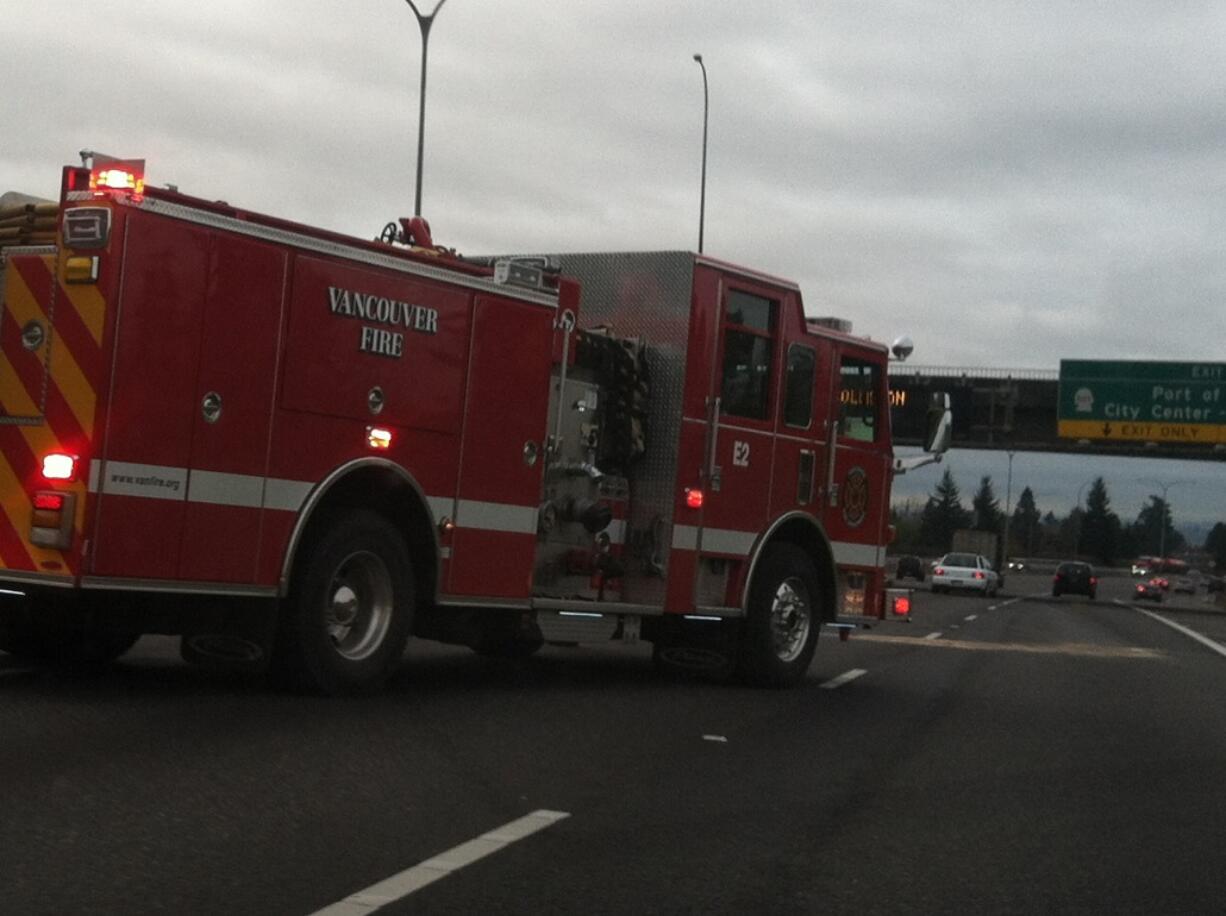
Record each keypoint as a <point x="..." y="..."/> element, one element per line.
<point x="937" y="438"/>
<point x="940" y="424"/>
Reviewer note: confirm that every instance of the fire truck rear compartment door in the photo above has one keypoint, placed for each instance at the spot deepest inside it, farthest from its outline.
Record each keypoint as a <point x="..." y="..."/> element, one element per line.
<point x="238" y="358"/>
<point x="500" y="485"/>
<point x="352" y="329"/>
<point x="142" y="487"/>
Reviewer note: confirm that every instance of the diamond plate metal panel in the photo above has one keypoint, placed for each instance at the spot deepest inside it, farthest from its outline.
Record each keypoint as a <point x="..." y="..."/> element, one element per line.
<point x="645" y="295"/>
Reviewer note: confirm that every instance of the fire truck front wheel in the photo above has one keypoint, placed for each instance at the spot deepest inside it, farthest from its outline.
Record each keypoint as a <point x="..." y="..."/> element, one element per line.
<point x="784" y="618"/>
<point x="350" y="607"/>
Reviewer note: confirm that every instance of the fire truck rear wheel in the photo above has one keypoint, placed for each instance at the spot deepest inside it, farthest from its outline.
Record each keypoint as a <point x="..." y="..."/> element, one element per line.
<point x="350" y="608"/>
<point x="784" y="618"/>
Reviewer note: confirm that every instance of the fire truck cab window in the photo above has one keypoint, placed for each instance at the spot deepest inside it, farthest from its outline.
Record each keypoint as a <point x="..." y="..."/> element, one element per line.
<point x="748" y="346"/>
<point x="798" y="388"/>
<point x="858" y="399"/>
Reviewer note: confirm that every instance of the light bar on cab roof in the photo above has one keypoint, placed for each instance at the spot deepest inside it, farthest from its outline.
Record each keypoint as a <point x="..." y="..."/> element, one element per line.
<point x="123" y="176"/>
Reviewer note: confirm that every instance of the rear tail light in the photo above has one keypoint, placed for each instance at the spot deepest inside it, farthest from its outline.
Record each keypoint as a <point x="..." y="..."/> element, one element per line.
<point x="50" y="502"/>
<point x="978" y="574"/>
<point x="939" y="571"/>
<point x="51" y="522"/>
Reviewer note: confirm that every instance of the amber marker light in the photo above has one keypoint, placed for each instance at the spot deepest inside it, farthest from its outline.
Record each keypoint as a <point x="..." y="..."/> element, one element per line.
<point x="378" y="438"/>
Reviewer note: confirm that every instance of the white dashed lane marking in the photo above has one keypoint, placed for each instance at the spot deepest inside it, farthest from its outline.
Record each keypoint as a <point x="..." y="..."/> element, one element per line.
<point x="844" y="678"/>
<point x="401" y="885"/>
<point x="934" y="635"/>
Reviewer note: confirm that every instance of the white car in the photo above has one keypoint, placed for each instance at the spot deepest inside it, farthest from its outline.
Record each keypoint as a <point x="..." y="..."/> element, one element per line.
<point x="965" y="571"/>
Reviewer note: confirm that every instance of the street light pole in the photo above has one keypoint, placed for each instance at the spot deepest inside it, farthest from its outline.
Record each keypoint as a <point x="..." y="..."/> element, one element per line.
<point x="1081" y="518"/>
<point x="702" y="199"/>
<point x="1162" y="517"/>
<point x="1008" y="513"/>
<point x="423" y="23"/>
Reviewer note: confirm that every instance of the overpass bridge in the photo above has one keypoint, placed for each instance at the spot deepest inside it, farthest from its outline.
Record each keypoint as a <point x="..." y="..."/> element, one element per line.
<point x="1008" y="410"/>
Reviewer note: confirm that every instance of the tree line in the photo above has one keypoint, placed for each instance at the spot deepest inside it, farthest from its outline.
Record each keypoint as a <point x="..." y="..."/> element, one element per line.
<point x="1093" y="532"/>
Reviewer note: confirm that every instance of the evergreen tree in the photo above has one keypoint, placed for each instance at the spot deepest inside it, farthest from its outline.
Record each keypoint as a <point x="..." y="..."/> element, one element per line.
<point x="1024" y="529"/>
<point x="1215" y="545"/>
<point x="1153" y="519"/>
<point x="943" y="515"/>
<point x="986" y="508"/>
<point x="1100" y="527"/>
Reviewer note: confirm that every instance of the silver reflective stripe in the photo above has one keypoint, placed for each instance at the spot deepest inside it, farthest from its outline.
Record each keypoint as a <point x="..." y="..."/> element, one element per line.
<point x="286" y="495"/>
<point x="155" y="481"/>
<point x="740" y="543"/>
<point x="722" y="540"/>
<point x="152" y="481"/>
<point x="441" y="506"/>
<point x="846" y="554"/>
<point x="225" y="489"/>
<point x="496" y="517"/>
<point x="685" y="537"/>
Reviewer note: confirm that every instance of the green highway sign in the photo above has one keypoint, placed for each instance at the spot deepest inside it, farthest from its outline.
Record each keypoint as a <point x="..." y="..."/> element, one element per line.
<point x="1142" y="401"/>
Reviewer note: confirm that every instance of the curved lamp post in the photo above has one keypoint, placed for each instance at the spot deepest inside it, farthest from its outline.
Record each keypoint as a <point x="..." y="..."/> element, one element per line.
<point x="423" y="22"/>
<point x="1081" y="521"/>
<point x="702" y="200"/>
<point x="1166" y="508"/>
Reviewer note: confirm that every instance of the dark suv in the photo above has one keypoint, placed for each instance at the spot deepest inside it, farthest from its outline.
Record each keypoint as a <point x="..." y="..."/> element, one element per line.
<point x="1074" y="579"/>
<point x="909" y="567"/>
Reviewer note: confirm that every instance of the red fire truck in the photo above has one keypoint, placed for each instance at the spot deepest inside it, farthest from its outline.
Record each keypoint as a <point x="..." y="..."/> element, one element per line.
<point x="296" y="448"/>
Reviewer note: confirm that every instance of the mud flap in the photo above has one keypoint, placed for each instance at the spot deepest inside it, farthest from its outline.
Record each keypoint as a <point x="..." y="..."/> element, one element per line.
<point x="702" y="648"/>
<point x="235" y="636"/>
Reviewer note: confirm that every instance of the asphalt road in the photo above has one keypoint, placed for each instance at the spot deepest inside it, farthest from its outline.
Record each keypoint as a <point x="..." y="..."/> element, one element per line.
<point x="1016" y="755"/>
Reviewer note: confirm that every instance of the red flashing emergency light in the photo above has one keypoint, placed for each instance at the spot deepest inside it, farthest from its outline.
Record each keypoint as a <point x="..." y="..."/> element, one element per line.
<point x="693" y="497"/>
<point x="902" y="605"/>
<point x="59" y="466"/>
<point x="126" y="177"/>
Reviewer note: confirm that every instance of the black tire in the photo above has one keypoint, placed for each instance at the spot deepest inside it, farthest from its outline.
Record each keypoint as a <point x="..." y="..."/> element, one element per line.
<point x="350" y="608"/>
<point x="784" y="618"/>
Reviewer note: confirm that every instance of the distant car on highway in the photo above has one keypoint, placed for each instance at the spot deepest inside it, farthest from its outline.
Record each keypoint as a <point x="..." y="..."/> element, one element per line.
<point x="1147" y="591"/>
<point x="909" y="567"/>
<point x="965" y="572"/>
<point x="1184" y="586"/>
<point x="1017" y="566"/>
<point x="1074" y="578"/>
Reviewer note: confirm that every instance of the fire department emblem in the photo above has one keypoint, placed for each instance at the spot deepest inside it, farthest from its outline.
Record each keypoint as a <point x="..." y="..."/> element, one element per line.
<point x="855" y="497"/>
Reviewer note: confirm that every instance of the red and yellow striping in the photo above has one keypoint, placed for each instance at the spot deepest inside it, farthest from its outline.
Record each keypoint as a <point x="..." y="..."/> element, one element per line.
<point x="48" y="398"/>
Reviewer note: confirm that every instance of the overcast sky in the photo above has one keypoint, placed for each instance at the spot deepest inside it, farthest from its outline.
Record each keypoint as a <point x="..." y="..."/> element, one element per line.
<point x="1009" y="183"/>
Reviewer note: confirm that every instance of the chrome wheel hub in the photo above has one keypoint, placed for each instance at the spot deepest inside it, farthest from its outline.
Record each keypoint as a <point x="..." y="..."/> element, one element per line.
<point x="791" y="619"/>
<point x="360" y="605"/>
